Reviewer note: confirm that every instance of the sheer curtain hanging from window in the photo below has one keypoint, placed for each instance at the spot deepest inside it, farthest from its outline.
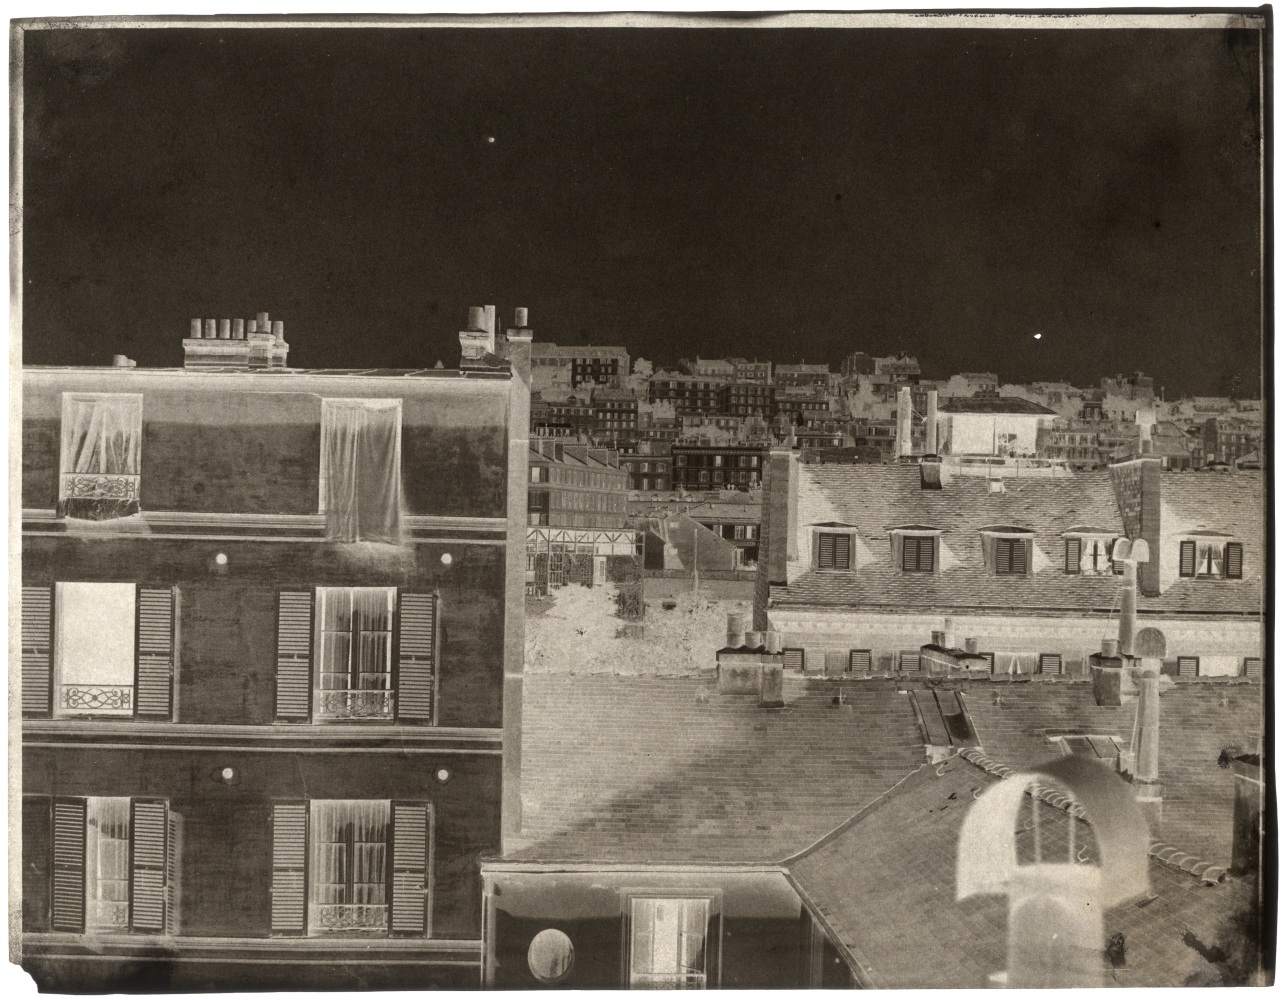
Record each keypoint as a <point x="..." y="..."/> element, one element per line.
<point x="101" y="443"/>
<point x="361" y="465"/>
<point x="349" y="865"/>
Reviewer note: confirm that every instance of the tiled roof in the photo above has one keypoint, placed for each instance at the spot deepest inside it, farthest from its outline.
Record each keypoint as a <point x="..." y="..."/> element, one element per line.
<point x="876" y="497"/>
<point x="992" y="404"/>
<point x="1198" y="720"/>
<point x="665" y="769"/>
<point x="1230" y="501"/>
<point x="748" y="512"/>
<point x="885" y="885"/>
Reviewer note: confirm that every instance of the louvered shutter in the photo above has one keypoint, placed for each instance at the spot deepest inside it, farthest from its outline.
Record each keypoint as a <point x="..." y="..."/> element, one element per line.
<point x="417" y="658"/>
<point x="1019" y="555"/>
<point x="412" y="852"/>
<point x="909" y="661"/>
<point x="825" y="556"/>
<point x="926" y="554"/>
<point x="294" y="654"/>
<point x="289" y="866"/>
<point x="1188" y="666"/>
<point x="1253" y="666"/>
<point x="1050" y="663"/>
<point x="842" y="551"/>
<point x="910" y="553"/>
<point x="792" y="659"/>
<point x="1073" y="555"/>
<point x="1233" y="563"/>
<point x="69" y="865"/>
<point x="37" y="650"/>
<point x="155" y="652"/>
<point x="1187" y="559"/>
<point x="859" y="660"/>
<point x="1004" y="555"/>
<point x="149" y="833"/>
<point x="173" y="875"/>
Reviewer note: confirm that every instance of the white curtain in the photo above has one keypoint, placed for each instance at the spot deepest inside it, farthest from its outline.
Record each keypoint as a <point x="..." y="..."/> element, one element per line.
<point x="668" y="943"/>
<point x="1209" y="558"/>
<point x="1016" y="663"/>
<point x="101" y="443"/>
<point x="361" y="452"/>
<point x="349" y="852"/>
<point x="100" y="434"/>
<point x="107" y="863"/>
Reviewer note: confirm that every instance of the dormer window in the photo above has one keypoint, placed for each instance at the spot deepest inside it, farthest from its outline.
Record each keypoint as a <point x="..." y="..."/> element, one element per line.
<point x="1211" y="556"/>
<point x="832" y="545"/>
<point x="1088" y="552"/>
<point x="915" y="547"/>
<point x="1008" y="549"/>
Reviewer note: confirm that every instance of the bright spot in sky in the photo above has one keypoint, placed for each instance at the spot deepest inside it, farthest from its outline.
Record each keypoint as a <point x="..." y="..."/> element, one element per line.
<point x="490" y="138"/>
<point x="1038" y="336"/>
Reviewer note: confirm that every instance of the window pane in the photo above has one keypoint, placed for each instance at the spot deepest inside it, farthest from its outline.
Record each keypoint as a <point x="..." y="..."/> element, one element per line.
<point x="348" y="860"/>
<point x="107" y="863"/>
<point x="94" y="627"/>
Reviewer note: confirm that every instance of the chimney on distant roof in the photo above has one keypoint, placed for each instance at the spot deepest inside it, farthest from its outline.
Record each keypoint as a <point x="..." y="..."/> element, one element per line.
<point x="478" y="340"/>
<point x="905" y="444"/>
<point x="930" y="424"/>
<point x="224" y="343"/>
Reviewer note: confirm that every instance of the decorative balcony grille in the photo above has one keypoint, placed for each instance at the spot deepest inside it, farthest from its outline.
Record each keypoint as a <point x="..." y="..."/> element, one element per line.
<point x="99" y="486"/>
<point x="97" y="699"/>
<point x="348" y="703"/>
<point x="347" y="917"/>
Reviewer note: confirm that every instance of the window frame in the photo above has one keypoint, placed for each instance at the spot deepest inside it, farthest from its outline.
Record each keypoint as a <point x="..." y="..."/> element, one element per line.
<point x="919" y="540"/>
<point x="391" y="596"/>
<point x="1179" y="662"/>
<point x="1011" y="545"/>
<point x="713" y="899"/>
<point x="833" y="535"/>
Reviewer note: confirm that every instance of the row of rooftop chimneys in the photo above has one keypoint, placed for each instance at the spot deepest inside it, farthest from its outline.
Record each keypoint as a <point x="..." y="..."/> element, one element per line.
<point x="255" y="343"/>
<point x="477" y="342"/>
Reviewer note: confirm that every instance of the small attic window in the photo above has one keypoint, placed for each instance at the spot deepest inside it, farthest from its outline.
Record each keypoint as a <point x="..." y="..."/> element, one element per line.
<point x="832" y="545"/>
<point x="1007" y="549"/>
<point x="915" y="547"/>
<point x="1084" y="745"/>
<point x="1088" y="551"/>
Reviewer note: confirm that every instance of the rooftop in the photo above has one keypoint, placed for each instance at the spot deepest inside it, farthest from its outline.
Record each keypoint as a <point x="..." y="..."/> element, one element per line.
<point x="992" y="404"/>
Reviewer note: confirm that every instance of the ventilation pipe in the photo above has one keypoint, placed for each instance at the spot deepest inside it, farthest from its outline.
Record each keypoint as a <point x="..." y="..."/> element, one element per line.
<point x="736" y="622"/>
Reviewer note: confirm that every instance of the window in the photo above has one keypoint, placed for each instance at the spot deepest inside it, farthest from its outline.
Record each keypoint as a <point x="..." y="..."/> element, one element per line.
<point x="363" y="867"/>
<point x="1253" y="667"/>
<point x="667" y="943"/>
<point x="539" y="473"/>
<point x="115" y="866"/>
<point x="354" y="652"/>
<point x="335" y="655"/>
<point x="361" y="469"/>
<point x="858" y="661"/>
<point x="751" y="531"/>
<point x="101" y="440"/>
<point x="102" y="650"/>
<point x="1050" y="663"/>
<point x="1010" y="556"/>
<point x="792" y="659"/>
<point x="1189" y="666"/>
<point x="908" y="660"/>
<point x="834" y="551"/>
<point x="917" y="553"/>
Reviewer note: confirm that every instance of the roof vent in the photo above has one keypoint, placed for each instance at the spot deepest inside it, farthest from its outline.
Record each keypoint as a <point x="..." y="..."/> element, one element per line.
<point x="930" y="473"/>
<point x="995" y="485"/>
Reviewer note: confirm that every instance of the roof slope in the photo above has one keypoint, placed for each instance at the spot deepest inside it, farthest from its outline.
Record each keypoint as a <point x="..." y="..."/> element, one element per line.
<point x="877" y="497"/>
<point x="1198" y="720"/>
<point x="992" y="404"/>
<point x="889" y="895"/>
<point x="664" y="769"/>
<point x="1224" y="501"/>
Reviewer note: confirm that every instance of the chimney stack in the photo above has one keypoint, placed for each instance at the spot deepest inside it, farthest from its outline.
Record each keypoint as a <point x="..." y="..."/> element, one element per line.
<point x="736" y="621"/>
<point x="238" y="329"/>
<point x="930" y="424"/>
<point x="196" y="330"/>
<point x="211" y="329"/>
<point x="905" y="445"/>
<point x="225" y="329"/>
<point x="234" y="343"/>
<point x="478" y="340"/>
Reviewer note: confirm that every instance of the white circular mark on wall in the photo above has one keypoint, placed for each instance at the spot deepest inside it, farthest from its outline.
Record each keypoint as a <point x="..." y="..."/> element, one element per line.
<point x="228" y="774"/>
<point x="221" y="558"/>
<point x="551" y="956"/>
<point x="446" y="559"/>
<point x="443" y="775"/>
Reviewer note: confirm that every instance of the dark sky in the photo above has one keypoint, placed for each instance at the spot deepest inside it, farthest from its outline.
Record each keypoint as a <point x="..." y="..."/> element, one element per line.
<point x="793" y="194"/>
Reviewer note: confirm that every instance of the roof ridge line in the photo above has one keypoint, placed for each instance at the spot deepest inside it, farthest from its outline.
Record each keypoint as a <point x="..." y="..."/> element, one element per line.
<point x="1162" y="851"/>
<point x="864" y="811"/>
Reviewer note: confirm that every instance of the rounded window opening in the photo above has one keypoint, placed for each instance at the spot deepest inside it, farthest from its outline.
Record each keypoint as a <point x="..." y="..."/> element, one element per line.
<point x="551" y="956"/>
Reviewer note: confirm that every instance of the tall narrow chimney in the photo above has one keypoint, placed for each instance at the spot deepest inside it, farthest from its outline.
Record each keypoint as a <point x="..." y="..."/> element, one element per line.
<point x="905" y="444"/>
<point x="196" y="330"/>
<point x="930" y="424"/>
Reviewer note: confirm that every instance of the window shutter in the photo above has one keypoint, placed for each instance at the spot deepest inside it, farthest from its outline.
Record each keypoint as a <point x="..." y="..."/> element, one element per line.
<point x="1187" y="559"/>
<point x="1050" y="663"/>
<point x="842" y="551"/>
<point x="909" y="553"/>
<point x="1003" y="555"/>
<point x="859" y="660"/>
<point x="1019" y="555"/>
<point x="173" y="874"/>
<point x="1253" y="666"/>
<point x="909" y="661"/>
<point x="155" y="652"/>
<point x="289" y="866"/>
<point x="1189" y="666"/>
<point x="1233" y="563"/>
<point x="990" y="661"/>
<point x="149" y="834"/>
<point x="37" y="650"/>
<point x="417" y="658"/>
<point x="294" y="654"/>
<point x="69" y="865"/>
<point x="412" y="852"/>
<point x="927" y="548"/>
<point x="1073" y="555"/>
<point x="825" y="557"/>
<point x="792" y="659"/>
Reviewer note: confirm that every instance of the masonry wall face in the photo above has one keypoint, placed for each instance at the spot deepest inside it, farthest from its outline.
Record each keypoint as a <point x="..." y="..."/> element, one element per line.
<point x="228" y="621"/>
<point x="755" y="923"/>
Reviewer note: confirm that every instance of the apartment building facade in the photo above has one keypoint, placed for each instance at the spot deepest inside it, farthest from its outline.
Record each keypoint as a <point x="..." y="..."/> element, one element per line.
<point x="575" y="485"/>
<point x="272" y="644"/>
<point x="716" y="466"/>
